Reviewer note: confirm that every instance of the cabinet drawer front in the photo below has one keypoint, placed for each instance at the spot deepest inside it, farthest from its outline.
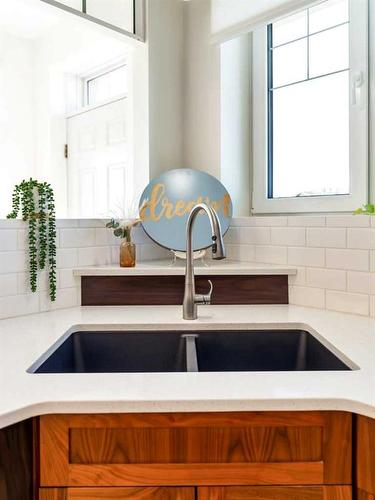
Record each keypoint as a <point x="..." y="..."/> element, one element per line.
<point x="117" y="493"/>
<point x="196" y="449"/>
<point x="276" y="493"/>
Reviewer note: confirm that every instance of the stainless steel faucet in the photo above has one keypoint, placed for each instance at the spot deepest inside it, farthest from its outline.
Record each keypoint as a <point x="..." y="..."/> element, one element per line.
<point x="191" y="299"/>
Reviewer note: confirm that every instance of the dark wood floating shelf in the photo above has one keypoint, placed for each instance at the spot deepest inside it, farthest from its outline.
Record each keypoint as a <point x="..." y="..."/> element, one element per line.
<point x="169" y="290"/>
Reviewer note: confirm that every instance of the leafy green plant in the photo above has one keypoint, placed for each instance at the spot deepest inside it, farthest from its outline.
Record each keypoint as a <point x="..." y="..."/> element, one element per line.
<point x="122" y="229"/>
<point x="37" y="204"/>
<point x="368" y="209"/>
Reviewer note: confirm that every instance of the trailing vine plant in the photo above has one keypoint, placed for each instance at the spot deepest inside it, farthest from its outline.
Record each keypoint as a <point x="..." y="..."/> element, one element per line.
<point x="37" y="204"/>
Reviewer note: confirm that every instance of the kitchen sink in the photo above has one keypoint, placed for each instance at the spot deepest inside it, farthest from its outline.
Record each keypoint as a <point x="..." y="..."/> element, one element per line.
<point x="182" y="351"/>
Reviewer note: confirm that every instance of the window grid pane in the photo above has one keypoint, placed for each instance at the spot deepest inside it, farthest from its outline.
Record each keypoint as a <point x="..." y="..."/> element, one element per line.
<point x="334" y="31"/>
<point x="299" y="95"/>
<point x="107" y="86"/>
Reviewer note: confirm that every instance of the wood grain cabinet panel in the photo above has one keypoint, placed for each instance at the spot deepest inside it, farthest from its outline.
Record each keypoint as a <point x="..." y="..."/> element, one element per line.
<point x="276" y="493"/>
<point x="117" y="494"/>
<point x="363" y="495"/>
<point x="192" y="449"/>
<point x="53" y="494"/>
<point x="366" y="456"/>
<point x="169" y="290"/>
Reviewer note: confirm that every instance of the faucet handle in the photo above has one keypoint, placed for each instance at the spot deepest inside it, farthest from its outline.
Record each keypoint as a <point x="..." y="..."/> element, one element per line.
<point x="204" y="299"/>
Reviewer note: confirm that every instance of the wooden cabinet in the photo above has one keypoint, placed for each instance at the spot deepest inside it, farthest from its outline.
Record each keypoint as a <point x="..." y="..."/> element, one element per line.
<point x="117" y="494"/>
<point x="365" y="458"/>
<point x="195" y="449"/>
<point x="276" y="493"/>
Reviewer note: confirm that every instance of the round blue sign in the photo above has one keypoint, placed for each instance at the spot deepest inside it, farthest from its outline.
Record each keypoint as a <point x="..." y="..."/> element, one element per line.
<point x="166" y="202"/>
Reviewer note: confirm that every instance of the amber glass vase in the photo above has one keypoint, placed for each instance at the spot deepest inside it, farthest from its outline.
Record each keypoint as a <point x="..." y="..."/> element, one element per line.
<point x="127" y="253"/>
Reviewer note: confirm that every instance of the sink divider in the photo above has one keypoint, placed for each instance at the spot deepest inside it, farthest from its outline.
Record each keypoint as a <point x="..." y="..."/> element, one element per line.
<point x="191" y="352"/>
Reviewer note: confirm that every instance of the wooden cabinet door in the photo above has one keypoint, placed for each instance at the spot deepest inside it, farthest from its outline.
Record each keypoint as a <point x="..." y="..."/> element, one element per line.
<point x="365" y="454"/>
<point x="276" y="493"/>
<point x="195" y="449"/>
<point x="117" y="494"/>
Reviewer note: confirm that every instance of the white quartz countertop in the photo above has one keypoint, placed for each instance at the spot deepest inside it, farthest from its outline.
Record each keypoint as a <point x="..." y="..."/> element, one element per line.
<point x="24" y="339"/>
<point x="165" y="267"/>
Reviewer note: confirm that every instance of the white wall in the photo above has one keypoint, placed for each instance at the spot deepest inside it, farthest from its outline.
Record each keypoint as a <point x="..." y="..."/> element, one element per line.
<point x="235" y="122"/>
<point x="16" y="116"/>
<point x="59" y="59"/>
<point x="217" y="134"/>
<point x="201" y="148"/>
<point x="165" y="38"/>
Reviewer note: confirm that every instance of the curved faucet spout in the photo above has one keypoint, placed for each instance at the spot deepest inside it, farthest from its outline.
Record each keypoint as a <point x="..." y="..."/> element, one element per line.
<point x="191" y="299"/>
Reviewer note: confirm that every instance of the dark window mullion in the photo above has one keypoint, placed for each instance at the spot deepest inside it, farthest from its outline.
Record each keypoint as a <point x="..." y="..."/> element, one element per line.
<point x="134" y="17"/>
<point x="270" y="112"/>
<point x="308" y="44"/>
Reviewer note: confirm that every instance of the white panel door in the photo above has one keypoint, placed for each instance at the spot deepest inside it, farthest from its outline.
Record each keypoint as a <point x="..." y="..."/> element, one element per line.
<point x="100" y="174"/>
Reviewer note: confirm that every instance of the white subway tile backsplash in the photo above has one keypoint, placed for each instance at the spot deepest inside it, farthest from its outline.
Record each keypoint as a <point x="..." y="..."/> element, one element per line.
<point x="265" y="221"/>
<point x="242" y="253"/>
<point x="307" y="296"/>
<point x="87" y="223"/>
<point x="347" y="302"/>
<point x="326" y="278"/>
<point x="82" y="243"/>
<point x="299" y="278"/>
<point x="17" y="305"/>
<point x="291" y="236"/>
<point x="67" y="279"/>
<point x="353" y="260"/>
<point x="22" y="239"/>
<point x="66" y="257"/>
<point x="105" y="237"/>
<point x="66" y="223"/>
<point x="361" y="238"/>
<point x="254" y="235"/>
<point x="302" y="256"/>
<point x="307" y="221"/>
<point x="94" y="256"/>
<point x="72" y="238"/>
<point x="11" y="224"/>
<point x="271" y="254"/>
<point x="361" y="282"/>
<point x="348" y="221"/>
<point x="243" y="221"/>
<point x="12" y="262"/>
<point x="66" y="297"/>
<point x="8" y="284"/>
<point x="334" y="256"/>
<point x="152" y="252"/>
<point x="326" y="237"/>
<point x="232" y="236"/>
<point x="8" y="240"/>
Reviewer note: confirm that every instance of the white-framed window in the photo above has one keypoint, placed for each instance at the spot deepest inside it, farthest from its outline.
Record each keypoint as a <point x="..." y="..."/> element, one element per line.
<point x="106" y="84"/>
<point x="310" y="110"/>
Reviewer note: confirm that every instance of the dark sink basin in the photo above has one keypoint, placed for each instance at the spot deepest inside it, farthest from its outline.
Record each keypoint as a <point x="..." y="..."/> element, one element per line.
<point x="110" y="352"/>
<point x="172" y="351"/>
<point x="286" y="350"/>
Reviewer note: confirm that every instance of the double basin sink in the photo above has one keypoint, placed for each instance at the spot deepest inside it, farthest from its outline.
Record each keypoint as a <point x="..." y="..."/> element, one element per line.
<point x="188" y="351"/>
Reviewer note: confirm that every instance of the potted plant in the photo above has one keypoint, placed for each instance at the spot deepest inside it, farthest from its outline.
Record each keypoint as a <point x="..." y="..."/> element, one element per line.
<point x="122" y="228"/>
